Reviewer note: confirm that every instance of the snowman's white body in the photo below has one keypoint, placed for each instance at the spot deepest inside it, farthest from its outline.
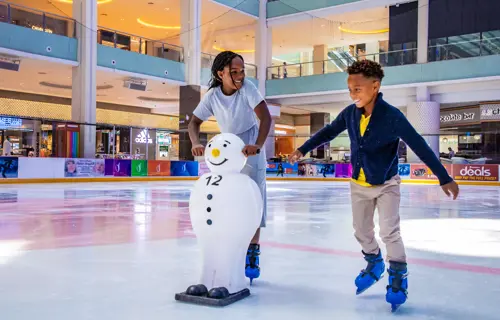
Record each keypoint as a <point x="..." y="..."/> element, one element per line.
<point x="226" y="209"/>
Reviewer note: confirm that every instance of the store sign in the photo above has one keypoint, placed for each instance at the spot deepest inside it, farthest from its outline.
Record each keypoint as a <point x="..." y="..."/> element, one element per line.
<point x="459" y="117"/>
<point x="142" y="137"/>
<point x="469" y="172"/>
<point x="422" y="172"/>
<point x="490" y="112"/>
<point x="37" y="28"/>
<point x="6" y="122"/>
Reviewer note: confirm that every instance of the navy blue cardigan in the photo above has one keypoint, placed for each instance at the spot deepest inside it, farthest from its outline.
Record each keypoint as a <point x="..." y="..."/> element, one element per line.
<point x="377" y="151"/>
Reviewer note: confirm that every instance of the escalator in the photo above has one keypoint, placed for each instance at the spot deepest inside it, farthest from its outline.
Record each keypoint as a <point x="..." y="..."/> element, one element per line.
<point x="340" y="59"/>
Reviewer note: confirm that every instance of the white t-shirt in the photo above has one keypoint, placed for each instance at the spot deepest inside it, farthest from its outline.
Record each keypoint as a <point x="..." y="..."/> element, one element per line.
<point x="235" y="113"/>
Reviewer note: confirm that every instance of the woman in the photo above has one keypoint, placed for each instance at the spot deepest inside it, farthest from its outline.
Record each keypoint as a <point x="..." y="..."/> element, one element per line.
<point x="239" y="108"/>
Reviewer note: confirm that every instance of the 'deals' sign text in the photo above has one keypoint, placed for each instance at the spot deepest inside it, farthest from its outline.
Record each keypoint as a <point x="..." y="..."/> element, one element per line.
<point x="486" y="172"/>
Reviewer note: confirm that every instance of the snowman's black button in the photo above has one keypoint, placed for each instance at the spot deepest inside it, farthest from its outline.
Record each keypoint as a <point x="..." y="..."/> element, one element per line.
<point x="209" y="197"/>
<point x="209" y="209"/>
<point x="209" y="222"/>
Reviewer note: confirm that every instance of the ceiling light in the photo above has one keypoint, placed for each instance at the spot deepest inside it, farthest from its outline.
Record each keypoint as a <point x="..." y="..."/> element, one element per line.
<point x="98" y="1"/>
<point x="167" y="9"/>
<point x="364" y="32"/>
<point x="122" y="19"/>
<point x="235" y="51"/>
<point x="156" y="26"/>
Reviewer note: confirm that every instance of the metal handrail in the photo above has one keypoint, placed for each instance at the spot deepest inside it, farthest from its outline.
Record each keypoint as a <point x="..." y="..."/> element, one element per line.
<point x="15" y="5"/>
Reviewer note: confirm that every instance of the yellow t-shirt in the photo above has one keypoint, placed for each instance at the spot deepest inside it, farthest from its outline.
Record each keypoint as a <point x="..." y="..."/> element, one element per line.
<point x="363" y="124"/>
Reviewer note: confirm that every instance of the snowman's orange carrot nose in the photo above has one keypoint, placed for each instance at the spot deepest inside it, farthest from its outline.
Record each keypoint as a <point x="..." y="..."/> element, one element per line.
<point x="215" y="153"/>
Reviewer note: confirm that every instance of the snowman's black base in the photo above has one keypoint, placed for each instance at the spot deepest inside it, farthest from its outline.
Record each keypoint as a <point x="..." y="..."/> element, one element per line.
<point x="206" y="301"/>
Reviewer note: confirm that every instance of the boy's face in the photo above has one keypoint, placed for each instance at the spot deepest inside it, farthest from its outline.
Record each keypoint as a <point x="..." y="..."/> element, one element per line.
<point x="237" y="70"/>
<point x="363" y="90"/>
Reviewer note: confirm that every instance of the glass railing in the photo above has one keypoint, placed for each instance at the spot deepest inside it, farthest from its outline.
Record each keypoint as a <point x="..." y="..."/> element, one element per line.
<point x="207" y="60"/>
<point x="335" y="65"/>
<point x="487" y="44"/>
<point x="36" y="20"/>
<point x="138" y="44"/>
<point x="46" y="22"/>
<point x="465" y="49"/>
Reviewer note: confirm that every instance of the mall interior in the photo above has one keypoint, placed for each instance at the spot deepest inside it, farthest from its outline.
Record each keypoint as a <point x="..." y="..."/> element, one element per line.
<point x="119" y="79"/>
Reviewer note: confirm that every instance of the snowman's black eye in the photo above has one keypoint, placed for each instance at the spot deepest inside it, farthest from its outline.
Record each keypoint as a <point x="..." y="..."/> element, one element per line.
<point x="209" y="145"/>
<point x="225" y="145"/>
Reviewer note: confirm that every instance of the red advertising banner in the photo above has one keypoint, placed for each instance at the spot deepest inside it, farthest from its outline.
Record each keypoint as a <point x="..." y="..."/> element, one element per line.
<point x="158" y="168"/>
<point x="422" y="172"/>
<point x="473" y="172"/>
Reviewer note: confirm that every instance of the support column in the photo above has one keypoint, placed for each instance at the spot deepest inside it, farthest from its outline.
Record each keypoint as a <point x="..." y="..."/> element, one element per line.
<point x="191" y="39"/>
<point x="83" y="97"/>
<point x="320" y="54"/>
<point x="263" y="47"/>
<point x="318" y="122"/>
<point x="423" y="31"/>
<point x="424" y="115"/>
<point x="190" y="95"/>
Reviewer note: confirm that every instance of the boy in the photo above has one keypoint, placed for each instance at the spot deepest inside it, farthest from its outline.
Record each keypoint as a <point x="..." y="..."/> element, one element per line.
<point x="374" y="128"/>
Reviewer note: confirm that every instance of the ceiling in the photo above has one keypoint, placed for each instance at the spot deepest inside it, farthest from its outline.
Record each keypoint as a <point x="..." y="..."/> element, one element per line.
<point x="223" y="28"/>
<point x="54" y="79"/>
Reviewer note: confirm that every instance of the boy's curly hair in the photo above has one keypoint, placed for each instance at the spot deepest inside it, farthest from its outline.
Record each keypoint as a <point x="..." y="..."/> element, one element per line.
<point x="367" y="68"/>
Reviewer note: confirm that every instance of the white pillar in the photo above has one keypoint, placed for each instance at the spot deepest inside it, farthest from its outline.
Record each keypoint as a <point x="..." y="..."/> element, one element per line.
<point x="262" y="50"/>
<point x="191" y="39"/>
<point x="423" y="31"/>
<point x="424" y="115"/>
<point x="83" y="97"/>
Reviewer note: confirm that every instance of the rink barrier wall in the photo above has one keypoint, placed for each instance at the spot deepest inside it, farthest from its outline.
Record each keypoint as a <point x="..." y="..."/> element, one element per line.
<point x="52" y="170"/>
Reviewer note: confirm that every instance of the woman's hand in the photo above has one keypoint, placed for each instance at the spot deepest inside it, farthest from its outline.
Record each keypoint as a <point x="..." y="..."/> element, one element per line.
<point x="198" y="150"/>
<point x="251" y="150"/>
<point x="296" y="155"/>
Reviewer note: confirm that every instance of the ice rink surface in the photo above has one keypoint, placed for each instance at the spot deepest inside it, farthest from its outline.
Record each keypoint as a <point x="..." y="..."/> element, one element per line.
<point x="122" y="250"/>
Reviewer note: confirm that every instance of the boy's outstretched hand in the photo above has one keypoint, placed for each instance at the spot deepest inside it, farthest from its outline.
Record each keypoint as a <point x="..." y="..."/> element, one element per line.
<point x="451" y="189"/>
<point x="296" y="155"/>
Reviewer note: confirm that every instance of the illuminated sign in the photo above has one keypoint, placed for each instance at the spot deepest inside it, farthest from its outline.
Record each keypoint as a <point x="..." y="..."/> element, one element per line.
<point x="6" y="122"/>
<point x="37" y="28"/>
<point x="143" y="136"/>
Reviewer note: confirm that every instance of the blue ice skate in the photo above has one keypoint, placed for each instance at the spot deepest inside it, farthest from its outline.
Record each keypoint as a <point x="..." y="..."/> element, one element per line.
<point x="252" y="269"/>
<point x="373" y="272"/>
<point x="397" y="290"/>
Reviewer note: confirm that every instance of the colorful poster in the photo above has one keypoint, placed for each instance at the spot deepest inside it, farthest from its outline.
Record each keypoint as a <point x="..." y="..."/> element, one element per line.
<point x="139" y="168"/>
<point x="84" y="167"/>
<point x="118" y="167"/>
<point x="343" y="170"/>
<point x="158" y="168"/>
<point x="184" y="168"/>
<point x="422" y="172"/>
<point x="9" y="167"/>
<point x="470" y="172"/>
<point x="404" y="170"/>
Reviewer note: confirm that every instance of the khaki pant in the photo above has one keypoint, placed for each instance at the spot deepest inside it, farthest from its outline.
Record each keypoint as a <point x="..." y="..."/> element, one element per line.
<point x="386" y="199"/>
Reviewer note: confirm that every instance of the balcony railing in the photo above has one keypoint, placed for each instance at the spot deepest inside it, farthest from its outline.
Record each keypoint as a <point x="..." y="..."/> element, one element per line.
<point x="485" y="46"/>
<point x="207" y="60"/>
<point x="51" y="23"/>
<point x="138" y="44"/>
<point x="37" y="20"/>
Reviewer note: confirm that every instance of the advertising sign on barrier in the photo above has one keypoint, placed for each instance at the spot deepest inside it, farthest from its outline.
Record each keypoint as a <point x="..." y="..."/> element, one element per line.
<point x="139" y="168"/>
<point x="184" y="168"/>
<point x="422" y="172"/>
<point x="157" y="168"/>
<point x="118" y="167"/>
<point x="343" y="170"/>
<point x="404" y="170"/>
<point x="84" y="167"/>
<point x="9" y="167"/>
<point x="472" y="172"/>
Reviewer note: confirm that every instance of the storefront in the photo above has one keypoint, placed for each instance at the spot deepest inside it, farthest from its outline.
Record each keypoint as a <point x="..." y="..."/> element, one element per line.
<point x="21" y="134"/>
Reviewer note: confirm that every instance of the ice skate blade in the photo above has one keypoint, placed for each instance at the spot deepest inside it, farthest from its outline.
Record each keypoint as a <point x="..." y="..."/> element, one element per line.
<point x="206" y="301"/>
<point x="395" y="307"/>
<point x="358" y="292"/>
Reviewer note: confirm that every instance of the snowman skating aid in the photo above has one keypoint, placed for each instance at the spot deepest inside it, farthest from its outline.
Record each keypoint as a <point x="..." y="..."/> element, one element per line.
<point x="226" y="208"/>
